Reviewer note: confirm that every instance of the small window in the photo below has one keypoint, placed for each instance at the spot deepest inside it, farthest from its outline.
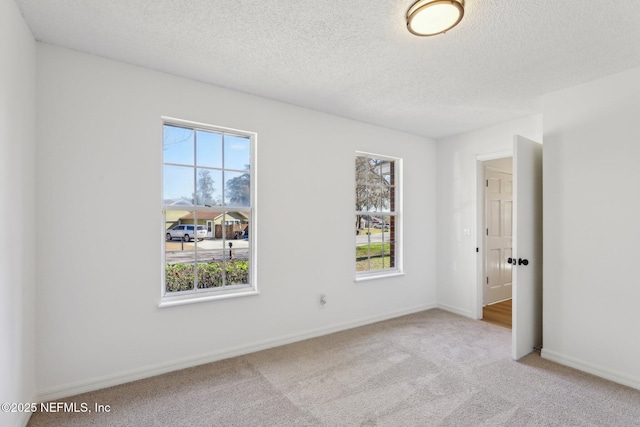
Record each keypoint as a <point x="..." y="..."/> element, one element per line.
<point x="208" y="183"/>
<point x="377" y="217"/>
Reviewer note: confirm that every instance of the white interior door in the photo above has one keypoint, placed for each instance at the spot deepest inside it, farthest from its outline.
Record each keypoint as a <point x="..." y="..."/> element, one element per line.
<point x="527" y="247"/>
<point x="498" y="235"/>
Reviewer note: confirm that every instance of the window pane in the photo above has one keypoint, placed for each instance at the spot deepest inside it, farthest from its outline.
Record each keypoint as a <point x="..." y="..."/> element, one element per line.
<point x="237" y="189"/>
<point x="362" y="168"/>
<point x="375" y="170"/>
<point x="172" y="220"/>
<point x="209" y="149"/>
<point x="362" y="258"/>
<point x="237" y="271"/>
<point x="367" y="171"/>
<point x="237" y="152"/>
<point x="235" y="226"/>
<point x="237" y="263"/>
<point x="210" y="264"/>
<point x="179" y="277"/>
<point x="387" y="174"/>
<point x="360" y="224"/>
<point x="384" y="232"/>
<point x="362" y="242"/>
<point x="179" y="254"/>
<point x="178" y="145"/>
<point x="385" y="199"/>
<point x="237" y="255"/>
<point x="361" y="196"/>
<point x="379" y="255"/>
<point x="208" y="187"/>
<point x="375" y="199"/>
<point x="177" y="184"/>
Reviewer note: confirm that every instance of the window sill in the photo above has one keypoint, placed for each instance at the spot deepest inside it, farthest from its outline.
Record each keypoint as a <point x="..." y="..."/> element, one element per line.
<point x="196" y="298"/>
<point x="365" y="278"/>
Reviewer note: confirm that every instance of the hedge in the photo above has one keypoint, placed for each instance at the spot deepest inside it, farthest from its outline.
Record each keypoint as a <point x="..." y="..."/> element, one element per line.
<point x="179" y="277"/>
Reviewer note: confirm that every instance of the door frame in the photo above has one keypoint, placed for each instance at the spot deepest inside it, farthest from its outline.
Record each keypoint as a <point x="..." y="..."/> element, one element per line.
<point x="480" y="254"/>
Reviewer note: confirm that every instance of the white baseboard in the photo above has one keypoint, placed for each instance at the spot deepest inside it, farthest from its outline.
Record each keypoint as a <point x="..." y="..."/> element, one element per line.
<point x="599" y="371"/>
<point x="456" y="310"/>
<point x="97" y="383"/>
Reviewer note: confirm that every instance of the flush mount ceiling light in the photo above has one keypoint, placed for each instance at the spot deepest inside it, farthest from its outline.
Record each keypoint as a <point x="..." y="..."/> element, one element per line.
<point x="431" y="17"/>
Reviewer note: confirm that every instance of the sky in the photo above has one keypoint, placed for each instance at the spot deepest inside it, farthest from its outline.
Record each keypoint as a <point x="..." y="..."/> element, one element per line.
<point x="186" y="151"/>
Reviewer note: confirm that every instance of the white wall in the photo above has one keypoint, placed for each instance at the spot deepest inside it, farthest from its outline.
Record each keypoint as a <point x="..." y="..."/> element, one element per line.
<point x="17" y="211"/>
<point x="99" y="248"/>
<point x="592" y="227"/>
<point x="457" y="201"/>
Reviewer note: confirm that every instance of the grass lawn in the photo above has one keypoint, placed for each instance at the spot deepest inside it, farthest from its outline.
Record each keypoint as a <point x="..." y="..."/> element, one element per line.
<point x="375" y="256"/>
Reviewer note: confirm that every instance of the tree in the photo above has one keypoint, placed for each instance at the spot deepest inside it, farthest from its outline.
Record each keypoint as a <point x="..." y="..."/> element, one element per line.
<point x="239" y="189"/>
<point x="372" y="186"/>
<point x="204" y="193"/>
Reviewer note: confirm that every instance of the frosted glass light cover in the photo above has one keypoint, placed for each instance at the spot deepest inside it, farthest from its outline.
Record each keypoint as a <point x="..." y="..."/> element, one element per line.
<point x="428" y="18"/>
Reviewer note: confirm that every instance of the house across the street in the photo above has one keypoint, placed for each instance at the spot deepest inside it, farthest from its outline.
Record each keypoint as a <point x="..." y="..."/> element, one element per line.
<point x="236" y="223"/>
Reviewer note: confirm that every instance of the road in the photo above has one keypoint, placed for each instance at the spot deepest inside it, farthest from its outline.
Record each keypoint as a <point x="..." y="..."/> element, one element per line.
<point x="363" y="239"/>
<point x="207" y="251"/>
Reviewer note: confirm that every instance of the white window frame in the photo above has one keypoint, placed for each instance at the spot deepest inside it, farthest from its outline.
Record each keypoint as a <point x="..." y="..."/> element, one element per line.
<point x="397" y="270"/>
<point x="168" y="299"/>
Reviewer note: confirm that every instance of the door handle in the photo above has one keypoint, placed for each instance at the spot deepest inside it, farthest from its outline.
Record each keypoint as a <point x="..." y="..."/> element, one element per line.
<point x="523" y="261"/>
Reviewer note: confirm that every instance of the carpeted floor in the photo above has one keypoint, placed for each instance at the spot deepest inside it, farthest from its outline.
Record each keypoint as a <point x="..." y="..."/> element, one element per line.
<point x="427" y="369"/>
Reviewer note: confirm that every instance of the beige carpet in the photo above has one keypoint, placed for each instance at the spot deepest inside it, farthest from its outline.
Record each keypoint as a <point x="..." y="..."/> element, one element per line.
<point x="428" y="369"/>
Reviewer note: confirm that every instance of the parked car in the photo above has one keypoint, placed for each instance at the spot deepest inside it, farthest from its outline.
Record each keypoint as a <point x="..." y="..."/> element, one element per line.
<point x="187" y="232"/>
<point x="379" y="225"/>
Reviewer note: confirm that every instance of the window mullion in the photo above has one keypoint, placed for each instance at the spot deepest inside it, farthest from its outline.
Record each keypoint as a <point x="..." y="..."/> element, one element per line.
<point x="223" y="202"/>
<point x="195" y="212"/>
<point x="224" y="249"/>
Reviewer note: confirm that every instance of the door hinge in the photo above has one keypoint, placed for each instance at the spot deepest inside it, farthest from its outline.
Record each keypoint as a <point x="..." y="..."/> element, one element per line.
<point x="487" y="280"/>
<point x="487" y="231"/>
<point x="477" y="249"/>
<point x="487" y="183"/>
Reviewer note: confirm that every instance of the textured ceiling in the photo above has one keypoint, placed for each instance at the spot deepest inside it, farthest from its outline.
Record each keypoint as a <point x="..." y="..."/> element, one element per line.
<point x="355" y="58"/>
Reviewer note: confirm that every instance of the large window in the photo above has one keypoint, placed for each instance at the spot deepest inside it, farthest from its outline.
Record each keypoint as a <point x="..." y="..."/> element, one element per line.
<point x="208" y="210"/>
<point x="377" y="215"/>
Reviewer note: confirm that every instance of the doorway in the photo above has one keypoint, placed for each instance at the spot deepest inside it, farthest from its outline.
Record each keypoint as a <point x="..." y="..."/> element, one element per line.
<point x="526" y="259"/>
<point x="497" y="240"/>
<point x="494" y="211"/>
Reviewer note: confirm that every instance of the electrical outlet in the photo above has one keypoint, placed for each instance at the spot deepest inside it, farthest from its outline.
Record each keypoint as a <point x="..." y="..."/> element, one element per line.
<point x="323" y="301"/>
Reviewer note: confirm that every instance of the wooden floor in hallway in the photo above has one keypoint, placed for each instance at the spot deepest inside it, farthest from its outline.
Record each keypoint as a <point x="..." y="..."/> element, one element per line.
<point x="498" y="313"/>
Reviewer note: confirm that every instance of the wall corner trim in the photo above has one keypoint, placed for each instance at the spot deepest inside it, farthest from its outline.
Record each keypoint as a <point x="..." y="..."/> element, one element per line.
<point x="456" y="310"/>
